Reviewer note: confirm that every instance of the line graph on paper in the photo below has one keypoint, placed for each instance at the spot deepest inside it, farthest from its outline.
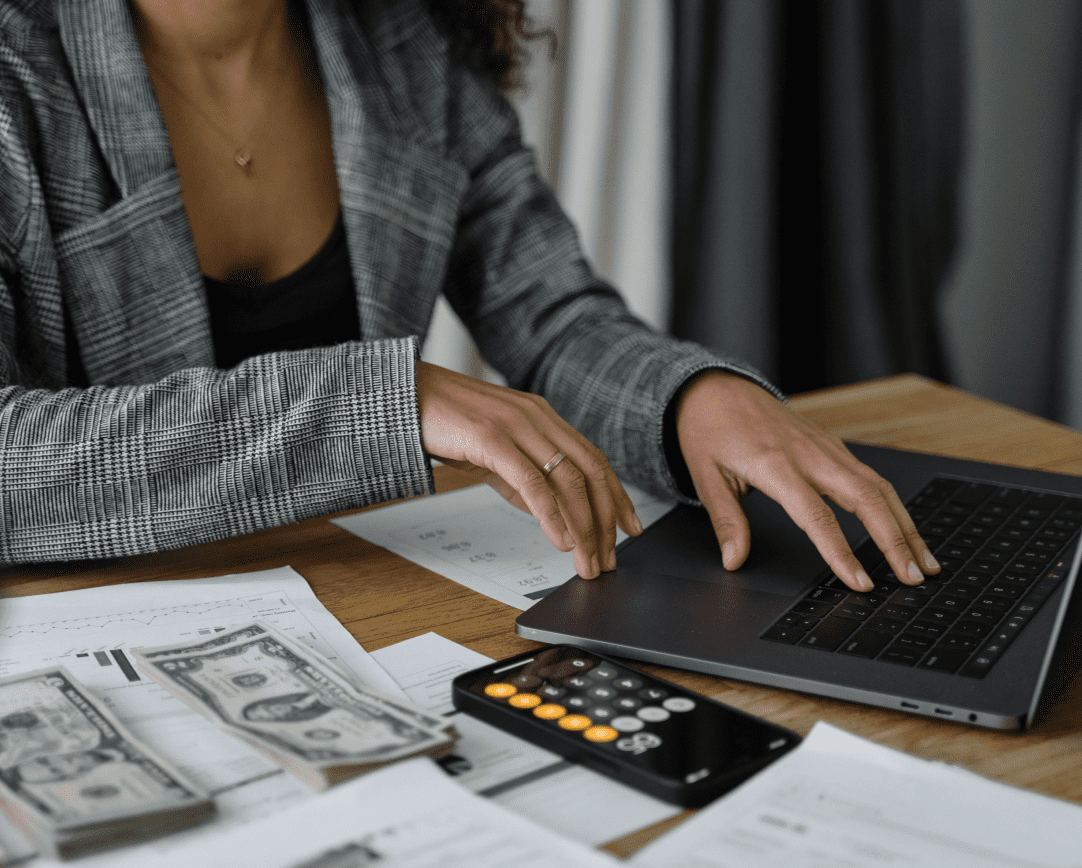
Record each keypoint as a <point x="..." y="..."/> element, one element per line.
<point x="123" y="620"/>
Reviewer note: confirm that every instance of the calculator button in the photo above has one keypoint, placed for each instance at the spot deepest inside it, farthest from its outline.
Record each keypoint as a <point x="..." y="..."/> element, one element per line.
<point x="574" y="722"/>
<point x="577" y="681"/>
<point x="577" y="701"/>
<point x="601" y="693"/>
<point x="654" y="694"/>
<point x="525" y="700"/>
<point x="526" y="682"/>
<point x="600" y="733"/>
<point x="500" y="691"/>
<point x="550" y="711"/>
<point x="627" y="703"/>
<point x="603" y="671"/>
<point x="626" y="723"/>
<point x="550" y="691"/>
<point x="653" y="714"/>
<point x="628" y="683"/>
<point x="601" y="712"/>
<point x="679" y="703"/>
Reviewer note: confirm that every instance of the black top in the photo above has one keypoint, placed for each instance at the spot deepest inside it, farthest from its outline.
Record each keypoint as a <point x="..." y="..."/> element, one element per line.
<point x="315" y="306"/>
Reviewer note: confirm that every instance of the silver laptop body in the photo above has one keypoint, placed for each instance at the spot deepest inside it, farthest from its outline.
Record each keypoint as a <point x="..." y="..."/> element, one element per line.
<point x="672" y="602"/>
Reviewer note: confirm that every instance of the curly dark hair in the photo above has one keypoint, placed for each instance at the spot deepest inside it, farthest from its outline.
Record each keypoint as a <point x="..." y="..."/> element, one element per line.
<point x="489" y="36"/>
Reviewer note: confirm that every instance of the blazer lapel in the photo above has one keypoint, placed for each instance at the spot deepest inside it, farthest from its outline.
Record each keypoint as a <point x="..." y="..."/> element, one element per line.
<point x="132" y="279"/>
<point x="400" y="196"/>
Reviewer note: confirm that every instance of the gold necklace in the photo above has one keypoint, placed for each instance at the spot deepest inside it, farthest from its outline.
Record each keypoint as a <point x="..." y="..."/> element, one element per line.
<point x="242" y="154"/>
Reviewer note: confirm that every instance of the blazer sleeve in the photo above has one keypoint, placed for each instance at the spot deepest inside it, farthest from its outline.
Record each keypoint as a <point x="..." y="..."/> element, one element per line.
<point x="205" y="454"/>
<point x="520" y="283"/>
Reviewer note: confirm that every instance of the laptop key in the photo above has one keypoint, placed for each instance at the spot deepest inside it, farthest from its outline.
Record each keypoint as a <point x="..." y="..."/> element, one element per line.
<point x="1013" y="578"/>
<point x="962" y="643"/>
<point x="873" y="599"/>
<point x="910" y="597"/>
<point x="1004" y="590"/>
<point x="949" y="602"/>
<point x="961" y="591"/>
<point x="981" y="663"/>
<point x="944" y="659"/>
<point x="901" y="656"/>
<point x="984" y="616"/>
<point x="919" y="628"/>
<point x="808" y="607"/>
<point x="886" y="625"/>
<point x="852" y="610"/>
<point x="903" y="613"/>
<point x="978" y="580"/>
<point x="866" y="643"/>
<point x="994" y="603"/>
<point x="830" y="634"/>
<point x="971" y="628"/>
<point x="824" y="595"/>
<point x="786" y="635"/>
<point x="915" y="642"/>
<point x="973" y="493"/>
<point x="936" y="615"/>
<point x="797" y="622"/>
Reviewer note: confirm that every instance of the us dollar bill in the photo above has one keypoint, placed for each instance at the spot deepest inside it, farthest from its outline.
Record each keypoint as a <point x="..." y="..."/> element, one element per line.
<point x="270" y="690"/>
<point x="71" y="765"/>
<point x="248" y="631"/>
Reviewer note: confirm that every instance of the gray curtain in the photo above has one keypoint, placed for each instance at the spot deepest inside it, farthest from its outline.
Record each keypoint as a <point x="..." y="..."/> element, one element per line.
<point x="817" y="148"/>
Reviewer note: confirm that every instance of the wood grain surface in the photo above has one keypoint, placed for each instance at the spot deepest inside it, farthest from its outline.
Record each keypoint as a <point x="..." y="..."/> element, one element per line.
<point x="382" y="598"/>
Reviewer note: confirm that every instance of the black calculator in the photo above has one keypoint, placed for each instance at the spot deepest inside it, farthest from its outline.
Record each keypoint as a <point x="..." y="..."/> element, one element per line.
<point x="648" y="733"/>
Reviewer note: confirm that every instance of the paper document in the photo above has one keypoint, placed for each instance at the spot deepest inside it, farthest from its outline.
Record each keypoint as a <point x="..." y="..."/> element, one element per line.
<point x="91" y="633"/>
<point x="531" y="781"/>
<point x="476" y="538"/>
<point x="409" y="815"/>
<point x="841" y="800"/>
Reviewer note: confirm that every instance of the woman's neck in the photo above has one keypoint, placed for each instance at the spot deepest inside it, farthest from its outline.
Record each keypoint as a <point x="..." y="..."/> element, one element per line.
<point x="224" y="44"/>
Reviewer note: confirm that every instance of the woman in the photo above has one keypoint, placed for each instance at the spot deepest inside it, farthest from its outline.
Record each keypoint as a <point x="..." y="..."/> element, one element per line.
<point x="224" y="226"/>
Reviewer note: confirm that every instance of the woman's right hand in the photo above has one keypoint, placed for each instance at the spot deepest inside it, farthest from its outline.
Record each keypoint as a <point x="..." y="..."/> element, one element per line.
<point x="513" y="435"/>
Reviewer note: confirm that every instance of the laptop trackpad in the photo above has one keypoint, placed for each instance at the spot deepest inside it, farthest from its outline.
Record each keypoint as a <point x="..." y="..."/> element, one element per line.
<point x="783" y="560"/>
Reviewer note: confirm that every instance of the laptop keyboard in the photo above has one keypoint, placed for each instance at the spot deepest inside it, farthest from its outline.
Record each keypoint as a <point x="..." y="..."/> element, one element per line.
<point x="1003" y="550"/>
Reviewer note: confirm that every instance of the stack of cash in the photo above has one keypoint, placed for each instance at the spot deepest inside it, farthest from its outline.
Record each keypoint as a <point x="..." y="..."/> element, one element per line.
<point x="74" y="780"/>
<point x="293" y="705"/>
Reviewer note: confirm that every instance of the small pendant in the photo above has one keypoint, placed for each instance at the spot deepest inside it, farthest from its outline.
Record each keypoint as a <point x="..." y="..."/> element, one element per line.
<point x="244" y="160"/>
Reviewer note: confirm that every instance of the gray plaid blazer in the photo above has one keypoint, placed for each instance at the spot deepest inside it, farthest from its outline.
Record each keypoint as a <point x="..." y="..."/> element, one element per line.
<point x="165" y="450"/>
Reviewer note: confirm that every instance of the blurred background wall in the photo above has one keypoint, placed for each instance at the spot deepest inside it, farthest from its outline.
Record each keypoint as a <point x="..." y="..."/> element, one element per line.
<point x="834" y="190"/>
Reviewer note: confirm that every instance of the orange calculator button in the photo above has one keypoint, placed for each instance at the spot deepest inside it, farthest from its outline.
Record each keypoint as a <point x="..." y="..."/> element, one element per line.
<point x="601" y="733"/>
<point x="550" y="711"/>
<point x="500" y="691"/>
<point x="574" y="722"/>
<point x="524" y="700"/>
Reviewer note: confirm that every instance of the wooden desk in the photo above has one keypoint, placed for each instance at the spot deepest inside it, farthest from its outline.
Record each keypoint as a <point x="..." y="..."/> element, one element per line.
<point x="383" y="599"/>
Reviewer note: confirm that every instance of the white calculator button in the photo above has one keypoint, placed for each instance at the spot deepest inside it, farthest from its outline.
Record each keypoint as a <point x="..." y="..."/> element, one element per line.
<point x="653" y="714"/>
<point x="679" y="703"/>
<point x="626" y="724"/>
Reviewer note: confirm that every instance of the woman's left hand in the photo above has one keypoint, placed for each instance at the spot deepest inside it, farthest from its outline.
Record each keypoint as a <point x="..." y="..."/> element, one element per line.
<point x="734" y="434"/>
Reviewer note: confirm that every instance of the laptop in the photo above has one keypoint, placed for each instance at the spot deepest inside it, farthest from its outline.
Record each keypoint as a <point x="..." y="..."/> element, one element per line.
<point x="990" y="642"/>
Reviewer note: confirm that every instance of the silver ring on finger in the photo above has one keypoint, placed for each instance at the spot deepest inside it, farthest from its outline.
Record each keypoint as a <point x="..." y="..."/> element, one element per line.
<point x="553" y="461"/>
